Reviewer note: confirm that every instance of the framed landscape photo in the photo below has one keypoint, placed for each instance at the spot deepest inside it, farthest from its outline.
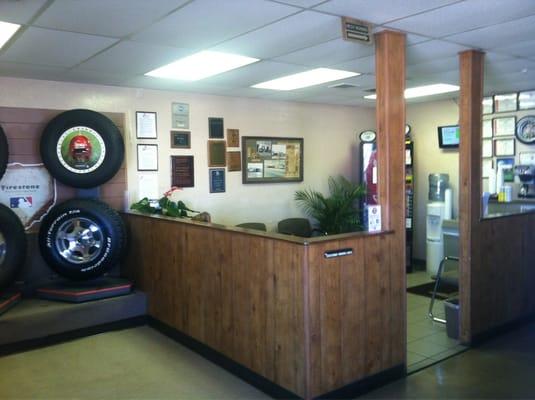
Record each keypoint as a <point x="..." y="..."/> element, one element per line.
<point x="217" y="153"/>
<point x="504" y="126"/>
<point x="505" y="102"/>
<point x="526" y="100"/>
<point x="146" y="125"/>
<point x="180" y="140"/>
<point x="272" y="159"/>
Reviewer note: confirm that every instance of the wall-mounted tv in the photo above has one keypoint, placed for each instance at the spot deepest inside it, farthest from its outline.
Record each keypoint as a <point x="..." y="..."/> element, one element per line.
<point x="448" y="136"/>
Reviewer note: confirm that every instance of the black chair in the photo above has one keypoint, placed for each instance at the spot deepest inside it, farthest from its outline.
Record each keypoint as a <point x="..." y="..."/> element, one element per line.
<point x="295" y="226"/>
<point x="259" y="226"/>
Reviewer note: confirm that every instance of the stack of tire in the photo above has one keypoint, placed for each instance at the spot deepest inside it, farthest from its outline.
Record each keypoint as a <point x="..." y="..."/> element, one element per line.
<point x="80" y="239"/>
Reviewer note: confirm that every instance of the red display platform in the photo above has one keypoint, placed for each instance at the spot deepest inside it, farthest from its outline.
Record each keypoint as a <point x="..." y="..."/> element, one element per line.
<point x="79" y="292"/>
<point x="8" y="300"/>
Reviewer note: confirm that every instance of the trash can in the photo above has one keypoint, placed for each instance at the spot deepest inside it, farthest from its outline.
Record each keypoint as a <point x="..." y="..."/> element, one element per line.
<point x="451" y="309"/>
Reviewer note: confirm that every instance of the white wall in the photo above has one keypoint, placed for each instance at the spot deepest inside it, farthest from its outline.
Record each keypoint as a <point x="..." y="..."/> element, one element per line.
<point x="424" y="119"/>
<point x="329" y="134"/>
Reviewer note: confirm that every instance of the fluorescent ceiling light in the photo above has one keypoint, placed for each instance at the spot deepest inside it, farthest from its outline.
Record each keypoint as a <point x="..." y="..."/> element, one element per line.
<point x="305" y="79"/>
<point x="421" y="91"/>
<point x="201" y="65"/>
<point x="7" y="30"/>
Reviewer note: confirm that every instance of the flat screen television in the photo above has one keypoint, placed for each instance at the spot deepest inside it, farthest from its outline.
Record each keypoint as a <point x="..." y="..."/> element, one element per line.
<point x="448" y="136"/>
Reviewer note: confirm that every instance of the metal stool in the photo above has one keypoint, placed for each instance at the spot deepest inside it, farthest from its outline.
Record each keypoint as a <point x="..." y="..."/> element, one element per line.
<point x="452" y="279"/>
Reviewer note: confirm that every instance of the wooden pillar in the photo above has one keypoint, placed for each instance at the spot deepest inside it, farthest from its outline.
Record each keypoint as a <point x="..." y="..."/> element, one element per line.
<point x="470" y="110"/>
<point x="390" y="115"/>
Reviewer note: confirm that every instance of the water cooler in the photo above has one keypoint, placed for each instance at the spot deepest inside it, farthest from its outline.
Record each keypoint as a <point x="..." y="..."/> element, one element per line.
<point x="438" y="209"/>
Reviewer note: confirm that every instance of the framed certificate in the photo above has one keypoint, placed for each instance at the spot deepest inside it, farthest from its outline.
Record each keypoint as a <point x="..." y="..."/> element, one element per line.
<point x="504" y="126"/>
<point x="486" y="148"/>
<point x="217" y="153"/>
<point x="233" y="137"/>
<point x="180" y="140"/>
<point x="505" y="102"/>
<point x="488" y="105"/>
<point x="146" y="125"/>
<point x="217" y="180"/>
<point x="487" y="128"/>
<point x="504" y="147"/>
<point x="147" y="157"/>
<point x="526" y="100"/>
<point x="215" y="128"/>
<point x="182" y="171"/>
<point x="486" y="167"/>
<point x="234" y="161"/>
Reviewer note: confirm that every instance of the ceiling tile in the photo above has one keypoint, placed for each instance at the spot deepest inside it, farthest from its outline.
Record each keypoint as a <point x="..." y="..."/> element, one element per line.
<point x="301" y="3"/>
<point x="450" y="76"/>
<point x="307" y="29"/>
<point x="433" y="66"/>
<point x="380" y="12"/>
<point x="363" y="65"/>
<point x="255" y="73"/>
<point x="30" y="71"/>
<point x="499" y="35"/>
<point x="512" y="66"/>
<point x="134" y="58"/>
<point x="431" y="50"/>
<point x="115" y="18"/>
<point x="464" y="16"/>
<point x="150" y="82"/>
<point x="48" y="47"/>
<point x="325" y="54"/>
<point x="206" y="22"/>
<point x="96" y="77"/>
<point x="19" y="12"/>
<point x="520" y="49"/>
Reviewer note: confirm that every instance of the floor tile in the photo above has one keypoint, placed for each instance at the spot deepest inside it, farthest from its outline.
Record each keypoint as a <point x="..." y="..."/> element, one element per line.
<point x="413" y="358"/>
<point x="426" y="349"/>
<point x="441" y="339"/>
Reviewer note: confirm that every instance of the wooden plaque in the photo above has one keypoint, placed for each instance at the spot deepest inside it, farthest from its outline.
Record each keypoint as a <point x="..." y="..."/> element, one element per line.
<point x="217" y="153"/>
<point x="234" y="161"/>
<point x="233" y="137"/>
<point x="182" y="171"/>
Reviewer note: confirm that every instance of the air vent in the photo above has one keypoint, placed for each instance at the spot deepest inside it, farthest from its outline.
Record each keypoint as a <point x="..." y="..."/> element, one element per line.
<point x="372" y="90"/>
<point x="343" y="85"/>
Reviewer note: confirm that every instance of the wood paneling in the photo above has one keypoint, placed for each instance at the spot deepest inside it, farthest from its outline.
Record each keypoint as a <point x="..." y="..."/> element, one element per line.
<point x="24" y="127"/>
<point x="278" y="307"/>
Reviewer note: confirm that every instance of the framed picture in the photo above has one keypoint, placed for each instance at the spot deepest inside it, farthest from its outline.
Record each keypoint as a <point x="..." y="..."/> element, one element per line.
<point x="182" y="171"/>
<point x="526" y="100"/>
<point x="147" y="157"/>
<point x="487" y="128"/>
<point x="504" y="126"/>
<point x="486" y="167"/>
<point x="146" y="125"/>
<point x="504" y="147"/>
<point x="217" y="180"/>
<point x="272" y="159"/>
<point x="180" y="115"/>
<point x="215" y="128"/>
<point x="486" y="148"/>
<point x="488" y="105"/>
<point x="234" y="161"/>
<point x="233" y="137"/>
<point x="217" y="150"/>
<point x="180" y="140"/>
<point x="505" y="102"/>
<point x="508" y="173"/>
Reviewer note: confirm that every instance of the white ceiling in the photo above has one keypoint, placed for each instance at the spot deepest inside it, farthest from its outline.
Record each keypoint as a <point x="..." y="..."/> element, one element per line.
<point x="114" y="42"/>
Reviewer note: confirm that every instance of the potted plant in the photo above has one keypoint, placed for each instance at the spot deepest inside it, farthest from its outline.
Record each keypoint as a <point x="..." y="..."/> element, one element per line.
<point x="337" y="213"/>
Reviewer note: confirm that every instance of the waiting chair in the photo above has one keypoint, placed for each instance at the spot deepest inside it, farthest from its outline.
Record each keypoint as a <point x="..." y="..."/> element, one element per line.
<point x="258" y="226"/>
<point x="295" y="226"/>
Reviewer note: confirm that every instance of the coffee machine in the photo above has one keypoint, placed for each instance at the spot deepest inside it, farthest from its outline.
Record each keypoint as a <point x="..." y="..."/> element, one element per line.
<point x="526" y="175"/>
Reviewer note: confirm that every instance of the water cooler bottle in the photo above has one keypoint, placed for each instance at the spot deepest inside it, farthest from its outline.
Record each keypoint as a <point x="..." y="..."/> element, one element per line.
<point x="436" y="213"/>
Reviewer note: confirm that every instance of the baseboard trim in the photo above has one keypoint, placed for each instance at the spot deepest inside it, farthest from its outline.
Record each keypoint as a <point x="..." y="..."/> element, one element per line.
<point x="367" y="384"/>
<point x="249" y="376"/>
<point x="480" y="338"/>
<point x="32" y="344"/>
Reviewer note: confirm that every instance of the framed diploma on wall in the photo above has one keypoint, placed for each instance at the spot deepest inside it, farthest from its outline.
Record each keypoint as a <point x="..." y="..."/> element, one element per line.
<point x="146" y="125"/>
<point x="147" y="157"/>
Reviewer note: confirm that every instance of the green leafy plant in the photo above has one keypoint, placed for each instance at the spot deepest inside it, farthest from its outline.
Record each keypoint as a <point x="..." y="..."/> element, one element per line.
<point x="336" y="213"/>
<point x="166" y="206"/>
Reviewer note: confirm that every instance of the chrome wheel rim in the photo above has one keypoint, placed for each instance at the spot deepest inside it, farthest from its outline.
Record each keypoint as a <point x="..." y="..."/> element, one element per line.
<point x="79" y="240"/>
<point x="2" y="248"/>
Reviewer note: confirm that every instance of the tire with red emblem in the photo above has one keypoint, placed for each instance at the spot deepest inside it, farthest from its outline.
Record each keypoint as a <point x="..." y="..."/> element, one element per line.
<point x="82" y="148"/>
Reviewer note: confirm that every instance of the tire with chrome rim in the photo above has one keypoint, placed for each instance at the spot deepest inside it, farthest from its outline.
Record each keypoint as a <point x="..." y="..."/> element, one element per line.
<point x="82" y="239"/>
<point x="12" y="246"/>
<point x="3" y="152"/>
<point x="82" y="148"/>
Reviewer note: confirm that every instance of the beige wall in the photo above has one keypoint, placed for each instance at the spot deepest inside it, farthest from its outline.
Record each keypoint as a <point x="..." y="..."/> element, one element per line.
<point x="424" y="119"/>
<point x="329" y="134"/>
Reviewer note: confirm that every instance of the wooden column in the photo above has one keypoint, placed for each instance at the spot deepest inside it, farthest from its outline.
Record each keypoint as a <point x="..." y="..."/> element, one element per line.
<point x="390" y="115"/>
<point x="470" y="109"/>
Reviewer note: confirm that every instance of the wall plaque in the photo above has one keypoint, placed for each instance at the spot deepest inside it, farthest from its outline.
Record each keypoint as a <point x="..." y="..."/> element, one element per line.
<point x="234" y="161"/>
<point x="233" y="137"/>
<point x="217" y="153"/>
<point x="182" y="171"/>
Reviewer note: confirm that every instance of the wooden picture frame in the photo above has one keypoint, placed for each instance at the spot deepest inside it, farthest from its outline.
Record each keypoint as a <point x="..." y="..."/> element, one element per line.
<point x="182" y="171"/>
<point x="234" y="161"/>
<point x="146" y="125"/>
<point x="217" y="150"/>
<point x="272" y="159"/>
<point x="507" y="102"/>
<point x="233" y="138"/>
<point x="217" y="180"/>
<point x="215" y="128"/>
<point x="147" y="157"/>
<point x="180" y="139"/>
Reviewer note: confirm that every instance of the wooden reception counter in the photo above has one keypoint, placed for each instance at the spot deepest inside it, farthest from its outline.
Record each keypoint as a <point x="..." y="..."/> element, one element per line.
<point x="309" y="315"/>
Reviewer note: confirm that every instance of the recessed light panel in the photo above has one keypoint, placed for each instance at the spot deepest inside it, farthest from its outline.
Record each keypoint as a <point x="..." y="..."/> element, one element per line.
<point x="201" y="65"/>
<point x="427" y="90"/>
<point x="7" y="30"/>
<point x="305" y="79"/>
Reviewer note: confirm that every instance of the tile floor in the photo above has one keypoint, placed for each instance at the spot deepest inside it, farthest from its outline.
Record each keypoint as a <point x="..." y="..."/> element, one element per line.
<point x="427" y="341"/>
